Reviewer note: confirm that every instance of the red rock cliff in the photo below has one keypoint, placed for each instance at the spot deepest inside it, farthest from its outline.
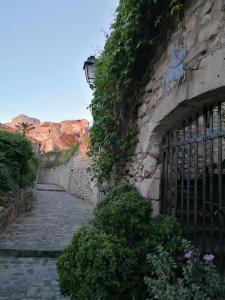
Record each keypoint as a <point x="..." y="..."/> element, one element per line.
<point x="56" y="136"/>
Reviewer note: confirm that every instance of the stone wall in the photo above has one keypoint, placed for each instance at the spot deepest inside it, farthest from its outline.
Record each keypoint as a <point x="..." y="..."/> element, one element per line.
<point x="73" y="177"/>
<point x="163" y="109"/>
<point x="14" y="205"/>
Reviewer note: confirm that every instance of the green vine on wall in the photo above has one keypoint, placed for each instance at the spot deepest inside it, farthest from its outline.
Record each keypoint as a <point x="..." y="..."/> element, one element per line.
<point x="139" y="29"/>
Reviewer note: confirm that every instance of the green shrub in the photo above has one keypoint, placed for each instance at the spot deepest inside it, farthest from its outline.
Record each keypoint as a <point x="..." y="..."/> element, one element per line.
<point x="137" y="38"/>
<point x="6" y="182"/>
<point x="73" y="149"/>
<point x="29" y="176"/>
<point x="122" y="229"/>
<point x="95" y="266"/>
<point x="17" y="161"/>
<point x="107" y="260"/>
<point x="125" y="214"/>
<point x="191" y="280"/>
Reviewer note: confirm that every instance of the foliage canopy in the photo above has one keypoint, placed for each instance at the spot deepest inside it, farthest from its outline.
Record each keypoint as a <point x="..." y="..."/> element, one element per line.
<point x="137" y="35"/>
<point x="126" y="254"/>
<point x="17" y="162"/>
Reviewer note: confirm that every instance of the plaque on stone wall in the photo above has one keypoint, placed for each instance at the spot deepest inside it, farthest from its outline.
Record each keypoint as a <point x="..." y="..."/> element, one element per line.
<point x="175" y="73"/>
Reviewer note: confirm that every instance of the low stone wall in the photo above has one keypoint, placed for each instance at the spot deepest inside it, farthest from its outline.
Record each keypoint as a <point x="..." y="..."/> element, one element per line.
<point x="73" y="177"/>
<point x="14" y="205"/>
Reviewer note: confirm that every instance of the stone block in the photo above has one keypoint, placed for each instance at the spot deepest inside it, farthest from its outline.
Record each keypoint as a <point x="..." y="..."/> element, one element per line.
<point x="149" y="165"/>
<point x="142" y="110"/>
<point x="144" y="139"/>
<point x="155" y="208"/>
<point x="209" y="76"/>
<point x="150" y="188"/>
<point x="208" y="31"/>
<point x="207" y="7"/>
<point x="137" y="149"/>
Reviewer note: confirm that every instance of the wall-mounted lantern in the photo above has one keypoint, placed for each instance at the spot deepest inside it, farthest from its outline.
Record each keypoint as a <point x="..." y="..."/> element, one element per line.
<point x="89" y="70"/>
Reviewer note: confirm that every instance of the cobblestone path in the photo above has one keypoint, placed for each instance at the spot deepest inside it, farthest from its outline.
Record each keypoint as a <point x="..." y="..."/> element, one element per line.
<point x="27" y="269"/>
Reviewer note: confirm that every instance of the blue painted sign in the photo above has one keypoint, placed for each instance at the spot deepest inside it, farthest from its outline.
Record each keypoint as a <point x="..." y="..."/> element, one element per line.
<point x="175" y="72"/>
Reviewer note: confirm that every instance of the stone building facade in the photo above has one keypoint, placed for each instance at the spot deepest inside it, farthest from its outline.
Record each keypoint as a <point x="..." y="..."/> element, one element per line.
<point x="169" y="97"/>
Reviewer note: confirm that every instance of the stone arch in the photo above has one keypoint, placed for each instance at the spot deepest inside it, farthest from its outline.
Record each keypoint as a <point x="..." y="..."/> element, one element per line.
<point x="161" y="111"/>
<point x="152" y="134"/>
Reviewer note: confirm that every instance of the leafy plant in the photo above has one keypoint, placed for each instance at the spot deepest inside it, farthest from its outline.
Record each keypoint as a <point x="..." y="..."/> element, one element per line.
<point x="94" y="266"/>
<point x="74" y="149"/>
<point x="125" y="214"/>
<point x="6" y="182"/>
<point x="192" y="279"/>
<point x="140" y="30"/>
<point x="56" y="158"/>
<point x="108" y="258"/>
<point x="24" y="127"/>
<point x="18" y="163"/>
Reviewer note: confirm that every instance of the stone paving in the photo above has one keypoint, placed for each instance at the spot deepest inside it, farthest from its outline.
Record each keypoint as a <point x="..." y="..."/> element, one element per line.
<point x="48" y="227"/>
<point x="28" y="278"/>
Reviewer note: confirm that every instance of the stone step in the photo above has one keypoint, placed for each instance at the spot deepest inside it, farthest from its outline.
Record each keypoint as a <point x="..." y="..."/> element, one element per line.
<point x="50" y="190"/>
<point x="30" y="253"/>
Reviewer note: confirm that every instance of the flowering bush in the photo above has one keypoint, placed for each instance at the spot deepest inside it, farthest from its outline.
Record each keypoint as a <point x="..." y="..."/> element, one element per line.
<point x="194" y="279"/>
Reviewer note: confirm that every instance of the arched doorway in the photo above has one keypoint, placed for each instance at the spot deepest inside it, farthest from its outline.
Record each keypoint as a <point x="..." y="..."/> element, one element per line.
<point x="193" y="178"/>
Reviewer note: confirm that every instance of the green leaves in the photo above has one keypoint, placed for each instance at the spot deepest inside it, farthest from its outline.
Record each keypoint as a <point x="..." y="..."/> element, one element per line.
<point x="137" y="33"/>
<point x="109" y="258"/>
<point x="176" y="7"/>
<point x="17" y="162"/>
<point x="106" y="260"/>
<point x="174" y="278"/>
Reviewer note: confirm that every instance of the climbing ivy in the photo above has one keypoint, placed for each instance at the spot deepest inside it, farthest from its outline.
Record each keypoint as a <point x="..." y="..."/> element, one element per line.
<point x="137" y="34"/>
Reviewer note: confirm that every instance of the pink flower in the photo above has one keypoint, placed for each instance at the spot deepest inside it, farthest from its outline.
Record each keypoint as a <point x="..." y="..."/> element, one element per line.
<point x="188" y="254"/>
<point x="208" y="257"/>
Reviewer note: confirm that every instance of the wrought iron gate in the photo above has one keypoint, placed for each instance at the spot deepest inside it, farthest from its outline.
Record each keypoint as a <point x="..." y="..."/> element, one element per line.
<point x="193" y="179"/>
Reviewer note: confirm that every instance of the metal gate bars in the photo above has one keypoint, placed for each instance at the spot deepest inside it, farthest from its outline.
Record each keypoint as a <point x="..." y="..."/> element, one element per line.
<point x="193" y="179"/>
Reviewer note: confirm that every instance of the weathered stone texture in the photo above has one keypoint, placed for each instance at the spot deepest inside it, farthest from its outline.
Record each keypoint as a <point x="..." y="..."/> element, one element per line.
<point x="161" y="110"/>
<point x="13" y="206"/>
<point x="49" y="226"/>
<point x="29" y="279"/>
<point x="44" y="231"/>
<point x="73" y="177"/>
<point x="55" y="136"/>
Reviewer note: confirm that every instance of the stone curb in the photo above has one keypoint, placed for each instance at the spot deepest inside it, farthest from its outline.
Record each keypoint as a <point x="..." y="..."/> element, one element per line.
<point x="30" y="253"/>
<point x="49" y="190"/>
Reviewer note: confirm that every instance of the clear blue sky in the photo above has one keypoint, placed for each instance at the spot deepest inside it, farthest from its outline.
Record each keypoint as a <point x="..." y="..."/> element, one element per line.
<point x="43" y="44"/>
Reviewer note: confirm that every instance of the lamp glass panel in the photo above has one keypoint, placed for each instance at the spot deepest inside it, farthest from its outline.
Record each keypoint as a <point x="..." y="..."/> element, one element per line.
<point x="91" y="72"/>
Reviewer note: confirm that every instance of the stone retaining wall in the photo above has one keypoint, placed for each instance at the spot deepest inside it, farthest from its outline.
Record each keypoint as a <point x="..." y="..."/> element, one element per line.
<point x="73" y="177"/>
<point x="14" y="205"/>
